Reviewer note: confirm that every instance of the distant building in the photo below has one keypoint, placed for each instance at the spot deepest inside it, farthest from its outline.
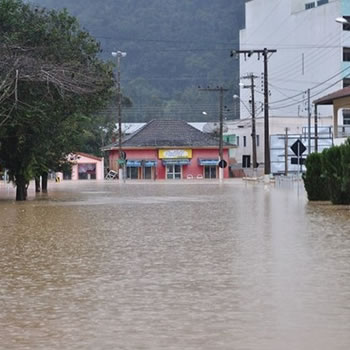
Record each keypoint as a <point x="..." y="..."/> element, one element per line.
<point x="313" y="52"/>
<point x="169" y="149"/>
<point x="84" y="167"/>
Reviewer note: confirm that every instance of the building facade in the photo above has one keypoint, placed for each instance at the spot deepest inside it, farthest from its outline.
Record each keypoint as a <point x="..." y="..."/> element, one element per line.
<point x="169" y="150"/>
<point x="313" y="52"/>
<point x="83" y="167"/>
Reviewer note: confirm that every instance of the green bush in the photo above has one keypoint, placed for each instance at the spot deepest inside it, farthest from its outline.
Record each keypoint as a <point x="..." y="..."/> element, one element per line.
<point x="337" y="170"/>
<point x="315" y="180"/>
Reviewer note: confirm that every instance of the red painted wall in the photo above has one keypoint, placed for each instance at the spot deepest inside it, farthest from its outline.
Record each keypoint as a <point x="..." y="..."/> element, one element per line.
<point x="193" y="169"/>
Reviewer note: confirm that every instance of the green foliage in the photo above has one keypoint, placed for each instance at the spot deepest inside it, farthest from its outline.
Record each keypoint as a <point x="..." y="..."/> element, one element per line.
<point x="173" y="47"/>
<point x="43" y="120"/>
<point x="336" y="166"/>
<point x="315" y="180"/>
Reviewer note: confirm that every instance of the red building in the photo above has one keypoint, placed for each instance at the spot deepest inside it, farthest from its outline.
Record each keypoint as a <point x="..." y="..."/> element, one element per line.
<point x="169" y="149"/>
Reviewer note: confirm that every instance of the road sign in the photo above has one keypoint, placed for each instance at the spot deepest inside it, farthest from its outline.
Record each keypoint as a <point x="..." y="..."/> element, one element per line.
<point x="121" y="161"/>
<point x="298" y="148"/>
<point x="222" y="164"/>
<point x="122" y="155"/>
<point x="296" y="160"/>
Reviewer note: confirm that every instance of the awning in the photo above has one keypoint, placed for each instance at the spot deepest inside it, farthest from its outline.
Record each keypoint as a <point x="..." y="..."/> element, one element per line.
<point x="149" y="163"/>
<point x="204" y="162"/>
<point x="133" y="163"/>
<point x="176" y="161"/>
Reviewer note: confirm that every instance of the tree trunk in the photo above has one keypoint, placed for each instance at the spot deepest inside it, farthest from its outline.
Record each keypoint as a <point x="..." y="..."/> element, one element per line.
<point x="44" y="177"/>
<point x="37" y="184"/>
<point x="21" y="189"/>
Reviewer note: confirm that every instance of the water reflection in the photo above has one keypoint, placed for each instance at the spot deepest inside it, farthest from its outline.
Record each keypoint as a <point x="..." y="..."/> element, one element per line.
<point x="174" y="266"/>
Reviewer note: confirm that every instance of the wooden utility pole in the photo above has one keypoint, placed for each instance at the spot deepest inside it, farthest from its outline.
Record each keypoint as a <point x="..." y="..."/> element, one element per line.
<point x="252" y="77"/>
<point x="265" y="52"/>
<point x="316" y="130"/>
<point x="221" y="90"/>
<point x="286" y="153"/>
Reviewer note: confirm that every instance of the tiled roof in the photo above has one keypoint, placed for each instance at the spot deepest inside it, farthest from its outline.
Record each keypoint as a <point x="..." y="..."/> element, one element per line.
<point x="168" y="133"/>
<point x="86" y="155"/>
<point x="328" y="99"/>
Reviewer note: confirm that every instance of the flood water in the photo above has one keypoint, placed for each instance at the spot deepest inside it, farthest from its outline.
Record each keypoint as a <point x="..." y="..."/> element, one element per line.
<point x="178" y="266"/>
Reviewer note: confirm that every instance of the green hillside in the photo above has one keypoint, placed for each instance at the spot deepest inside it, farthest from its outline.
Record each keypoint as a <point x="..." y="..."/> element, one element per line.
<point x="173" y="46"/>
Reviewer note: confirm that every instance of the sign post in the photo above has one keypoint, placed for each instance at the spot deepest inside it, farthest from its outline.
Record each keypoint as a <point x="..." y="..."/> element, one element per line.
<point x="298" y="148"/>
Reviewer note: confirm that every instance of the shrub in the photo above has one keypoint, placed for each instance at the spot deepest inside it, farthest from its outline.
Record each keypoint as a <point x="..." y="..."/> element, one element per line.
<point x="315" y="180"/>
<point x="337" y="171"/>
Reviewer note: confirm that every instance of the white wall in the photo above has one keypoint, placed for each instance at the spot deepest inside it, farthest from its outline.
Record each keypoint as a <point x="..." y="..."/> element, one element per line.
<point x="277" y="125"/>
<point x="309" y="51"/>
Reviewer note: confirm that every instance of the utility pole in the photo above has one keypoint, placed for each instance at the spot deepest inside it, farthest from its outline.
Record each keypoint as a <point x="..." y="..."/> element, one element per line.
<point x="286" y="152"/>
<point x="265" y="52"/>
<point x="221" y="90"/>
<point x="252" y="77"/>
<point x="316" y="130"/>
<point x="308" y="122"/>
<point x="122" y="174"/>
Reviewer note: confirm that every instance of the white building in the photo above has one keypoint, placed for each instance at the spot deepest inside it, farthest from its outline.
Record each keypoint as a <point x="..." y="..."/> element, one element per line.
<point x="313" y="52"/>
<point x="295" y="127"/>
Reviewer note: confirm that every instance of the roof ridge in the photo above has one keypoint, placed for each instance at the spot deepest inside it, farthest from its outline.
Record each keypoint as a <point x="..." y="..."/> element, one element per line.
<point x="135" y="133"/>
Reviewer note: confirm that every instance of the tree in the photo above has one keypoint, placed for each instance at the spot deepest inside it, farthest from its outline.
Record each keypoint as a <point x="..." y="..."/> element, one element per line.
<point x="51" y="82"/>
<point x="173" y="46"/>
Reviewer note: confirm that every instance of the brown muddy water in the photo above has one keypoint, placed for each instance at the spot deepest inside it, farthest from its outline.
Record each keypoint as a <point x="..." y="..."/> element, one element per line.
<point x="178" y="266"/>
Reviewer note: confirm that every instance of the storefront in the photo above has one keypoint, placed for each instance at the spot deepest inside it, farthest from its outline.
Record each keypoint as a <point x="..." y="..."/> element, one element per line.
<point x="169" y="150"/>
<point x="137" y="169"/>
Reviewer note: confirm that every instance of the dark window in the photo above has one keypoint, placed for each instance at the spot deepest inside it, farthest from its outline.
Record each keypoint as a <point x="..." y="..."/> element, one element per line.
<point x="210" y="172"/>
<point x="346" y="26"/>
<point x="322" y="2"/>
<point x="346" y="82"/>
<point x="346" y="116"/>
<point x="244" y="141"/>
<point x="257" y="140"/>
<point x="246" y="161"/>
<point x="309" y="5"/>
<point x="132" y="172"/>
<point x="346" y="54"/>
<point x="237" y="140"/>
<point x="147" y="173"/>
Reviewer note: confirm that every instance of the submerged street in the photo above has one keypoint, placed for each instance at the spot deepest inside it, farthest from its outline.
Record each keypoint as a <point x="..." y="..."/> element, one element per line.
<point x="173" y="265"/>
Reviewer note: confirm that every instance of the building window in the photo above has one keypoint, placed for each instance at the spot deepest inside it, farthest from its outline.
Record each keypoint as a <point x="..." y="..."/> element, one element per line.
<point x="346" y="116"/>
<point x="346" y="54"/>
<point x="237" y="139"/>
<point x="346" y="82"/>
<point x="346" y="26"/>
<point x="173" y="172"/>
<point x="246" y="161"/>
<point x="322" y="2"/>
<point x="257" y="140"/>
<point x="210" y="172"/>
<point x="244" y="141"/>
<point x="132" y="172"/>
<point x="309" y="5"/>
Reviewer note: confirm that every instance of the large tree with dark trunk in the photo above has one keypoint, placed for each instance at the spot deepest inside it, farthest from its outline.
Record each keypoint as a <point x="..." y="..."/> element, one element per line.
<point x="51" y="83"/>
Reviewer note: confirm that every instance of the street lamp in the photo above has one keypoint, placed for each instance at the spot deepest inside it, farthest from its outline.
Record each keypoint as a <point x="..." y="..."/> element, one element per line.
<point x="342" y="20"/>
<point x="118" y="55"/>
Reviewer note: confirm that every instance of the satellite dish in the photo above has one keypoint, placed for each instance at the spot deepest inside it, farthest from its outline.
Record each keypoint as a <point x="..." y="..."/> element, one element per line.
<point x="214" y="128"/>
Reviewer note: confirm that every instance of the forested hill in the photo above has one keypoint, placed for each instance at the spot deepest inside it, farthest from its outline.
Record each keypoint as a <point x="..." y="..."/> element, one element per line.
<point x="173" y="46"/>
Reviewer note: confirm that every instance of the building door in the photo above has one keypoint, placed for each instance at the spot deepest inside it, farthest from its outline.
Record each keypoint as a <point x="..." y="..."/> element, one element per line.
<point x="246" y="161"/>
<point x="132" y="173"/>
<point x="210" y="172"/>
<point x="173" y="172"/>
<point x="147" y="173"/>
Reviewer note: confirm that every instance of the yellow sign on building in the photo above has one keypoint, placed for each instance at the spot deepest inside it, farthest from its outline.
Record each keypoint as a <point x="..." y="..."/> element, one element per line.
<point x="174" y="153"/>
